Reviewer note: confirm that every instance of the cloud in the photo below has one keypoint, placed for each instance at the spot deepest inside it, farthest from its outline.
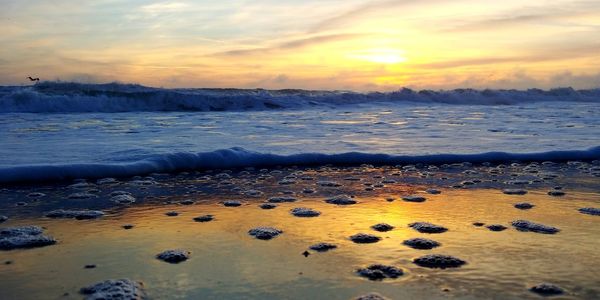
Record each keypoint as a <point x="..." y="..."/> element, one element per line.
<point x="500" y="22"/>
<point x="536" y="53"/>
<point x="559" y="15"/>
<point x="470" y="62"/>
<point x="163" y="7"/>
<point x="364" y="10"/>
<point x="521" y="79"/>
<point x="281" y="78"/>
<point x="354" y="13"/>
<point x="567" y="78"/>
<point x="292" y="44"/>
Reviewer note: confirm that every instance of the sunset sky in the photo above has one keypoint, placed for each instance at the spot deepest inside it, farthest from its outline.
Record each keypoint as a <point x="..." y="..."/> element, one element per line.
<point x="324" y="44"/>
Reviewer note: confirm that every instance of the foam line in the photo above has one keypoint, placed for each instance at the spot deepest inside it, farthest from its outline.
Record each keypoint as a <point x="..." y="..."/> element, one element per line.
<point x="239" y="158"/>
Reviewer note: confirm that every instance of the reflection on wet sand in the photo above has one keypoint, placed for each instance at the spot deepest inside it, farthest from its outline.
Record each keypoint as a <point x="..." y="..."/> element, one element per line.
<point x="226" y="262"/>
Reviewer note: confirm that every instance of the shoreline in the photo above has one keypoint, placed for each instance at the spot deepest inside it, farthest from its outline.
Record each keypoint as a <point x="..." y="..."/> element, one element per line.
<point x="239" y="158"/>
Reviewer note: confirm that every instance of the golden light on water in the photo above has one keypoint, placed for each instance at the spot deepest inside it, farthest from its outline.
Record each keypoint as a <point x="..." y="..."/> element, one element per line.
<point x="224" y="252"/>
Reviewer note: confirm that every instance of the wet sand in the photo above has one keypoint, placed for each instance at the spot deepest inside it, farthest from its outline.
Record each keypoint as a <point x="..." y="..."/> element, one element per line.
<point x="226" y="262"/>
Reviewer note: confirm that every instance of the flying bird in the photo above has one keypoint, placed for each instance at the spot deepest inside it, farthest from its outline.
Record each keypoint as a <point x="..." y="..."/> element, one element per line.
<point x="33" y="79"/>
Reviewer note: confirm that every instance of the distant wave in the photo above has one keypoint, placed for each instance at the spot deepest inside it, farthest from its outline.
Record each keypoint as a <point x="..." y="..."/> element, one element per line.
<point x="239" y="158"/>
<point x="58" y="97"/>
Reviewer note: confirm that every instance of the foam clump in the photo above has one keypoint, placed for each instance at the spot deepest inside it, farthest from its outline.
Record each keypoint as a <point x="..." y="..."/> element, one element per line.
<point x="327" y="183"/>
<point x="304" y="212"/>
<point x="425" y="227"/>
<point x="24" y="237"/>
<point x="36" y="195"/>
<point x="106" y="180"/>
<point x="281" y="199"/>
<point x="586" y="210"/>
<point x="413" y="198"/>
<point x="74" y="214"/>
<point x="117" y="193"/>
<point x="364" y="238"/>
<point x="380" y="272"/>
<point x="123" y="199"/>
<point x="496" y="227"/>
<point x="524" y="205"/>
<point x="267" y="206"/>
<point x="173" y="256"/>
<point x="115" y="289"/>
<point x="143" y="182"/>
<point x="81" y="196"/>
<point x="382" y="227"/>
<point x="439" y="261"/>
<point x="547" y="289"/>
<point x="264" y="233"/>
<point x="82" y="185"/>
<point x="421" y="243"/>
<point x="514" y="191"/>
<point x="524" y="225"/>
<point x="556" y="193"/>
<point x="204" y="218"/>
<point x="323" y="247"/>
<point x="232" y="203"/>
<point x="253" y="193"/>
<point x="371" y="296"/>
<point x="341" y="200"/>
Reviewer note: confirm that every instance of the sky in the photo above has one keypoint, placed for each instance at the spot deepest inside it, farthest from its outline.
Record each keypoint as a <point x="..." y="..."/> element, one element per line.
<point x="325" y="44"/>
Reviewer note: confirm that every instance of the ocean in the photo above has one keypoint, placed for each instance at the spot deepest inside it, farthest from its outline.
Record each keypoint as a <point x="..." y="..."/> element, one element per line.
<point x="58" y="131"/>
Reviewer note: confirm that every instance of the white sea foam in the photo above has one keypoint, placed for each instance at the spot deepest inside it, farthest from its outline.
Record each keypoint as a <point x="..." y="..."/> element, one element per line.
<point x="239" y="157"/>
<point x="57" y="97"/>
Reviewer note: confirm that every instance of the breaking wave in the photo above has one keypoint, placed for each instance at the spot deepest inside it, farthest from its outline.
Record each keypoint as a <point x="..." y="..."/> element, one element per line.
<point x="240" y="158"/>
<point x="67" y="97"/>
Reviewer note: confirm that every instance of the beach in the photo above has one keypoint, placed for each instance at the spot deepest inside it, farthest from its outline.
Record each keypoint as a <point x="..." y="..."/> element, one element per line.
<point x="165" y="212"/>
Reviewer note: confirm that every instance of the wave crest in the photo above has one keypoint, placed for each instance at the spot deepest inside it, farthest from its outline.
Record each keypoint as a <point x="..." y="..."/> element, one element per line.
<point x="59" y="97"/>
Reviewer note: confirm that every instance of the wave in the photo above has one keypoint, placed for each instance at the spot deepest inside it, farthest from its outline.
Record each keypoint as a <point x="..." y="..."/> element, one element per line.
<point x="240" y="158"/>
<point x="67" y="97"/>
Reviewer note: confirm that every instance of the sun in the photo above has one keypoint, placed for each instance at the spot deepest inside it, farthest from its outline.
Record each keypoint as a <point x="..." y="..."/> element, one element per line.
<point x="380" y="56"/>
